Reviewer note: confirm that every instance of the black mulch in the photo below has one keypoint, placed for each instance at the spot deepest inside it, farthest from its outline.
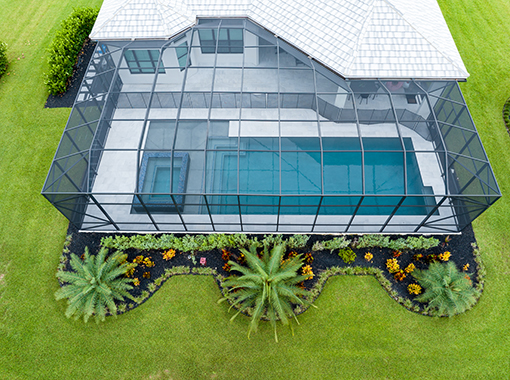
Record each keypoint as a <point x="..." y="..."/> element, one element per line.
<point x="67" y="98"/>
<point x="459" y="246"/>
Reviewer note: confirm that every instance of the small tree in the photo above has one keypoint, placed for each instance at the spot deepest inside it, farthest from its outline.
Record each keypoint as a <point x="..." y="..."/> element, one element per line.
<point x="268" y="287"/>
<point x="3" y="58"/>
<point x="447" y="291"/>
<point x="95" y="284"/>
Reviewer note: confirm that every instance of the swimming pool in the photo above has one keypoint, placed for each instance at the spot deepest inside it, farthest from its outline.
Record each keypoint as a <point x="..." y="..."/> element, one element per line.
<point x="259" y="173"/>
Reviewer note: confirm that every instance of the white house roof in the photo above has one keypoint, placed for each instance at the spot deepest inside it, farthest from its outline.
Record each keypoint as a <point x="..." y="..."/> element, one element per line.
<point x="355" y="38"/>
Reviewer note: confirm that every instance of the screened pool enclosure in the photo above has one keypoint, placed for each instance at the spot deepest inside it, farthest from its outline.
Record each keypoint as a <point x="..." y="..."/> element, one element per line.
<point x="226" y="127"/>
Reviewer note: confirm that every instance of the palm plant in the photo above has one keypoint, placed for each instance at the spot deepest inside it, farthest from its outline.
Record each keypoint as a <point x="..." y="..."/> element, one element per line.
<point x="268" y="287"/>
<point x="447" y="290"/>
<point x="95" y="284"/>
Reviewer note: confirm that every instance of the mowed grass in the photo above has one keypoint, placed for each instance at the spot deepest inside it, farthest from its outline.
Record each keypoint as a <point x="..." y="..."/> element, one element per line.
<point x="181" y="332"/>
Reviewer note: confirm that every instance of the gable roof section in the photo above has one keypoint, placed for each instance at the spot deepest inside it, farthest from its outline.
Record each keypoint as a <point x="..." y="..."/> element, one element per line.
<point x="355" y="38"/>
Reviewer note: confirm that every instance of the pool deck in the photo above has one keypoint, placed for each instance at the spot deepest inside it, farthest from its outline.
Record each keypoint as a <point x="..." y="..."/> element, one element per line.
<point x="117" y="170"/>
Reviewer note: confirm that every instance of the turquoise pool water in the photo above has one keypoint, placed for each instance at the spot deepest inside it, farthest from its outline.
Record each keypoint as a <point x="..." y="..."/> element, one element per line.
<point x="155" y="178"/>
<point x="259" y="173"/>
<point x="161" y="178"/>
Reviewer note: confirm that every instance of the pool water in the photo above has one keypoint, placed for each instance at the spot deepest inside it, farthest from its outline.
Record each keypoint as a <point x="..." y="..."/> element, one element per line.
<point x="155" y="176"/>
<point x="259" y="173"/>
<point x="161" y="178"/>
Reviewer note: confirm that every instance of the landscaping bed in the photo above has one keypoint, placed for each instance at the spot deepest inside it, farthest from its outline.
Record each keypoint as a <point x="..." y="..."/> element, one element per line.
<point x="154" y="271"/>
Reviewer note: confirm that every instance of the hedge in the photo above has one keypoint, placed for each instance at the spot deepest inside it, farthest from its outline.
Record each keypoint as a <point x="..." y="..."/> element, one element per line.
<point x="65" y="47"/>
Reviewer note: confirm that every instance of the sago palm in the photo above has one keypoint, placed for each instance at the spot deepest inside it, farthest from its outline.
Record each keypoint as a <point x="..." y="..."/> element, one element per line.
<point x="94" y="285"/>
<point x="447" y="290"/>
<point x="267" y="288"/>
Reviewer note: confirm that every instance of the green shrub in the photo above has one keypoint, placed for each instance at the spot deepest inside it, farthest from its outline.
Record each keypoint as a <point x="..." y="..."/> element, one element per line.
<point x="297" y="241"/>
<point x="66" y="46"/>
<point x="347" y="255"/>
<point x="400" y="244"/>
<point x="270" y="241"/>
<point x="267" y="288"/>
<point x="447" y="291"/>
<point x="369" y="241"/>
<point x="335" y="243"/>
<point x="240" y="241"/>
<point x="95" y="284"/>
<point x="412" y="243"/>
<point x="3" y="58"/>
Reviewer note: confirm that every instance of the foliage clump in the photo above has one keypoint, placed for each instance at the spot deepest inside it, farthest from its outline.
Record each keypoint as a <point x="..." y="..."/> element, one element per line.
<point x="267" y="287"/>
<point x="447" y="290"/>
<point x="95" y="284"/>
<point x="347" y="255"/>
<point x="200" y="243"/>
<point x="331" y="245"/>
<point x="401" y="244"/>
<point x="3" y="58"/>
<point x="66" y="46"/>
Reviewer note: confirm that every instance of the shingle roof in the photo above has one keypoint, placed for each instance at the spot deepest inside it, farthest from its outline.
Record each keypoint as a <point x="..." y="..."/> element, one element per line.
<point x="355" y="38"/>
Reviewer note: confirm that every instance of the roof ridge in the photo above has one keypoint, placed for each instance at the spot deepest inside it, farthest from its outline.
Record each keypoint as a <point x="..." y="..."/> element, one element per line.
<point x="417" y="30"/>
<point x="158" y="9"/>
<point x="361" y="36"/>
<point x="126" y="2"/>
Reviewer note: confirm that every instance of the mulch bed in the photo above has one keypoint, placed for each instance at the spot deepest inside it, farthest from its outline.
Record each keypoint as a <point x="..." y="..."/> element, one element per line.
<point x="66" y="99"/>
<point x="460" y="247"/>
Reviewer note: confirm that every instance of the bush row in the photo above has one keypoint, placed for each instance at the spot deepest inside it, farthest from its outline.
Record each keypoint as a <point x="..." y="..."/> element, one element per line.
<point x="199" y="243"/>
<point x="400" y="244"/>
<point x="203" y="243"/>
<point x="66" y="46"/>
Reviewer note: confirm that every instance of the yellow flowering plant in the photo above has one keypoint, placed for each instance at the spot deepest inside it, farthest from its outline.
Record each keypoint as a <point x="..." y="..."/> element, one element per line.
<point x="410" y="268"/>
<point x="445" y="256"/>
<point x="392" y="265"/>
<point x="148" y="262"/>
<point x="307" y="271"/>
<point x="368" y="256"/>
<point x="167" y="255"/>
<point x="414" y="289"/>
<point x="138" y="259"/>
<point x="130" y="272"/>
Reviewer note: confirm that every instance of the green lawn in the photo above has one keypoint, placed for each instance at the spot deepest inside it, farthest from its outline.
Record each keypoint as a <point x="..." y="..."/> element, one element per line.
<point x="181" y="332"/>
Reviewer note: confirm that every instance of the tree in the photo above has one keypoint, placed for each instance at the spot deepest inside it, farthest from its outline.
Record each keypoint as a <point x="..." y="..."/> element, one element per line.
<point x="268" y="287"/>
<point x="447" y="291"/>
<point x="95" y="284"/>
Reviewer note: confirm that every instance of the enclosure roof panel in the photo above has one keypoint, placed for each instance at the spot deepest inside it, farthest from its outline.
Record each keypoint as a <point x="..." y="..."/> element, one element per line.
<point x="355" y="38"/>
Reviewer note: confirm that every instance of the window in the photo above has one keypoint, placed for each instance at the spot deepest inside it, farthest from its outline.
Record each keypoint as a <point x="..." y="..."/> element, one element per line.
<point x="182" y="55"/>
<point x="230" y="41"/>
<point x="143" y="61"/>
